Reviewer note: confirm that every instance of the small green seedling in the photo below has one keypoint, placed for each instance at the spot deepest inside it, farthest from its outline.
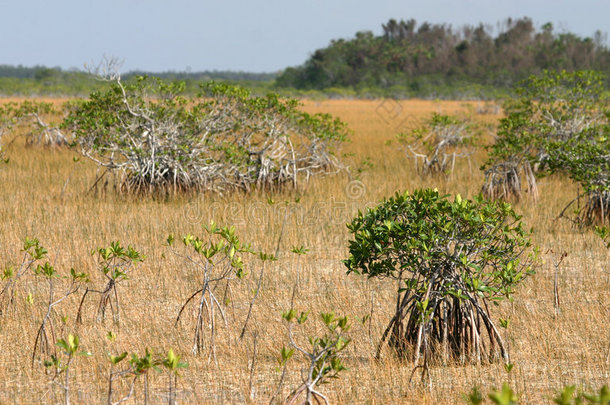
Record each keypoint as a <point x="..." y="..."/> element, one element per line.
<point x="506" y="396"/>
<point x="173" y="364"/>
<point x="45" y="335"/>
<point x="115" y="263"/>
<point x="33" y="253"/>
<point x="218" y="256"/>
<point x="323" y="360"/>
<point x="113" y="374"/>
<point x="70" y="347"/>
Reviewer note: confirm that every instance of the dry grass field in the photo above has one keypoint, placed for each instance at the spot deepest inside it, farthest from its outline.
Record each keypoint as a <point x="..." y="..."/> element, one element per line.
<point x="43" y="194"/>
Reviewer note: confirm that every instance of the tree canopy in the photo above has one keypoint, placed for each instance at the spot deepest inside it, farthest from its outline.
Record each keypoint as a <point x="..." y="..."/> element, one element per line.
<point x="407" y="53"/>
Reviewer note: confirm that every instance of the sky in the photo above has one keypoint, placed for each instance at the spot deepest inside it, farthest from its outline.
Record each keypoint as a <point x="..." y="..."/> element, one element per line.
<point x="247" y="35"/>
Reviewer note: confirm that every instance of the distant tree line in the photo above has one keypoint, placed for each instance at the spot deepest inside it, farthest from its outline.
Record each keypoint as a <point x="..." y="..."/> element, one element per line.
<point x="23" y="72"/>
<point x="42" y="80"/>
<point x="207" y="76"/>
<point x="39" y="72"/>
<point x="407" y="53"/>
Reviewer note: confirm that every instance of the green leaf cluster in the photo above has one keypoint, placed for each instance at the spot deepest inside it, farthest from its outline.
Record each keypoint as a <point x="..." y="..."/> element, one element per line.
<point x="70" y="346"/>
<point x="474" y="246"/>
<point x="115" y="261"/>
<point x="220" y="246"/>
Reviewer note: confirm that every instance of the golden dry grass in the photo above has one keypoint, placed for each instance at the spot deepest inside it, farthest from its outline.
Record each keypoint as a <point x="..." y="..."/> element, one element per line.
<point x="43" y="195"/>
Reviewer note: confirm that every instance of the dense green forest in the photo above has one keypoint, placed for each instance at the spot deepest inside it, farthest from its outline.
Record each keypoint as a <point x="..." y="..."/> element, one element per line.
<point x="416" y="58"/>
<point x="406" y="60"/>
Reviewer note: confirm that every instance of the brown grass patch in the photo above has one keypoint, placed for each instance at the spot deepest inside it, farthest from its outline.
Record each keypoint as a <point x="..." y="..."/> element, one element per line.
<point x="42" y="194"/>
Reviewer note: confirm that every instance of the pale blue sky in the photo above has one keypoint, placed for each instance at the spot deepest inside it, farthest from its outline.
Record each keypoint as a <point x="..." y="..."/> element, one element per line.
<point x="250" y="35"/>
